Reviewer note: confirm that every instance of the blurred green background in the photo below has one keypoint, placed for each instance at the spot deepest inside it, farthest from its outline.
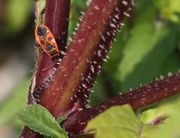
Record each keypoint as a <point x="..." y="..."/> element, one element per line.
<point x="146" y="48"/>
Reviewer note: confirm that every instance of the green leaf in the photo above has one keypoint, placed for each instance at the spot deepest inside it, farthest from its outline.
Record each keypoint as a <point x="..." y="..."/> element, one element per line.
<point x="137" y="47"/>
<point x="130" y="57"/>
<point x="147" y="49"/>
<point x="169" y="9"/>
<point x="120" y="121"/>
<point x="18" y="12"/>
<point x="40" y="120"/>
<point x="162" y="44"/>
<point x="116" y="122"/>
<point x="169" y="128"/>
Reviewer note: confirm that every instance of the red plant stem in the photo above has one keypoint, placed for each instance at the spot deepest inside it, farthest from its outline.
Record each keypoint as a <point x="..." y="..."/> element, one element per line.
<point x="138" y="98"/>
<point x="57" y="19"/>
<point x="28" y="133"/>
<point x="77" y="72"/>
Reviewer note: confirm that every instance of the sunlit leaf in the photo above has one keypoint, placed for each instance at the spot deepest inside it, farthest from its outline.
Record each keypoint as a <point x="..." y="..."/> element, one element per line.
<point x="40" y="120"/>
<point x="116" y="122"/>
<point x="169" y="128"/>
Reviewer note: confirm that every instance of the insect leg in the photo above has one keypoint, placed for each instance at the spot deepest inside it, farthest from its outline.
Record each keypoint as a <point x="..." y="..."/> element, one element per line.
<point x="57" y="58"/>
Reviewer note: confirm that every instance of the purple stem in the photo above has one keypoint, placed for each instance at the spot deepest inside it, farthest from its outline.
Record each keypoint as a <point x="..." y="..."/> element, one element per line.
<point x="138" y="98"/>
<point x="57" y="19"/>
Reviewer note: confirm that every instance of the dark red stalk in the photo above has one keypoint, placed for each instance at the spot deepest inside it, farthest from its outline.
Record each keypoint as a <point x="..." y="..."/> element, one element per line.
<point x="77" y="72"/>
<point x="28" y="133"/>
<point x="138" y="98"/>
<point x="57" y="19"/>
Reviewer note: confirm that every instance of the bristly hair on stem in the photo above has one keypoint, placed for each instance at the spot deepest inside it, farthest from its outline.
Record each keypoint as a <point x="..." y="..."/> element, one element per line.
<point x="64" y="88"/>
<point x="138" y="99"/>
<point x="57" y="19"/>
<point x="72" y="82"/>
<point x="70" y="88"/>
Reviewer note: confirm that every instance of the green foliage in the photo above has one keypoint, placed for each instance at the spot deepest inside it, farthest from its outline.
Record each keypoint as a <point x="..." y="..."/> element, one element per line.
<point x="121" y="121"/>
<point x="40" y="120"/>
<point x="169" y="128"/>
<point x="146" y="49"/>
<point x="148" y="46"/>
<point x="18" y="13"/>
<point x="169" y="9"/>
<point x="160" y="40"/>
<point x="116" y="122"/>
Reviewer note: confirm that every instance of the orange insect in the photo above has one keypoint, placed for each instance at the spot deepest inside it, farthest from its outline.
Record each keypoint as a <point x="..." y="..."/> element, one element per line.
<point x="46" y="40"/>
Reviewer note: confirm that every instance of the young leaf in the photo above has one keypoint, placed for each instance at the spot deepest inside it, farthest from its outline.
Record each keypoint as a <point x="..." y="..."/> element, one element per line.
<point x="40" y="120"/>
<point x="169" y="128"/>
<point x="118" y="121"/>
